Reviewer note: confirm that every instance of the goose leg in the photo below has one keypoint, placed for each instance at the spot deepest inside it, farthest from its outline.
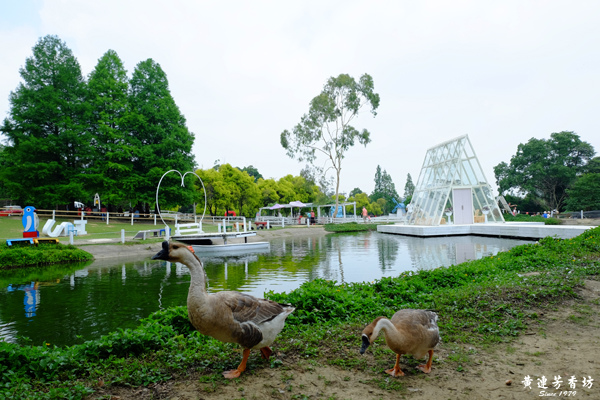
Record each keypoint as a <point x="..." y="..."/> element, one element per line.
<point x="396" y="371"/>
<point x="235" y="373"/>
<point x="265" y="352"/>
<point x="427" y="367"/>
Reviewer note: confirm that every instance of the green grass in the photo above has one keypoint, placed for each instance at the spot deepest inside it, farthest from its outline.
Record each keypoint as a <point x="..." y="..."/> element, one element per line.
<point x="531" y="218"/>
<point x="37" y="256"/>
<point x="11" y="227"/>
<point x="479" y="302"/>
<point x="350" y="227"/>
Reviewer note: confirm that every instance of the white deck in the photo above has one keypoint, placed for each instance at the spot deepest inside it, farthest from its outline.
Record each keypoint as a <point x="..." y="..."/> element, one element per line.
<point x="225" y="236"/>
<point x="521" y="230"/>
<point x="233" y="248"/>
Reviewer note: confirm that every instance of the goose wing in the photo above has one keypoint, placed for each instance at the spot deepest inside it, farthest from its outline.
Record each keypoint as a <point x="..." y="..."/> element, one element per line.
<point x="249" y="313"/>
<point x="419" y="325"/>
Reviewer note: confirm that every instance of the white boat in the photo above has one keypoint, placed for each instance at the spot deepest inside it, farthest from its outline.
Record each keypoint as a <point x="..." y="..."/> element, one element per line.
<point x="204" y="242"/>
<point x="233" y="248"/>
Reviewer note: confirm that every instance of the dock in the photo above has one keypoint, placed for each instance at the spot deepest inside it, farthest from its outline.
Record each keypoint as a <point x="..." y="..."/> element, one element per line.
<point x="516" y="230"/>
<point x="203" y="238"/>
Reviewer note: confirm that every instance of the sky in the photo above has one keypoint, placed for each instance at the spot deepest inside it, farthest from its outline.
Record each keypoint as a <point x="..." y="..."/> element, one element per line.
<point x="241" y="72"/>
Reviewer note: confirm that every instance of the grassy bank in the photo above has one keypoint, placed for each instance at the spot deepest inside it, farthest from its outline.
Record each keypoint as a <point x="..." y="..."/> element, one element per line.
<point x="37" y="256"/>
<point x="350" y="227"/>
<point x="484" y="301"/>
<point x="12" y="227"/>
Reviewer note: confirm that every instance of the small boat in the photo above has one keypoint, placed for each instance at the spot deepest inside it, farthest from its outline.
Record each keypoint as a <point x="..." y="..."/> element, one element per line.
<point x="204" y="242"/>
<point x="233" y="248"/>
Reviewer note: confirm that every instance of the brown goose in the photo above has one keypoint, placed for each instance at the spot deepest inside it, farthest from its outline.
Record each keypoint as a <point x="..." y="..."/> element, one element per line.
<point x="231" y="317"/>
<point x="408" y="332"/>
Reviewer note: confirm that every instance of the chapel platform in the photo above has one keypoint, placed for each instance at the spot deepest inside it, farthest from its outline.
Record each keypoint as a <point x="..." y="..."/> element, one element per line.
<point x="517" y="230"/>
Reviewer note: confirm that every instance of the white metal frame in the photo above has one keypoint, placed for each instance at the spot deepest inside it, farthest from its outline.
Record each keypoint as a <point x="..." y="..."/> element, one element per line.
<point x="451" y="165"/>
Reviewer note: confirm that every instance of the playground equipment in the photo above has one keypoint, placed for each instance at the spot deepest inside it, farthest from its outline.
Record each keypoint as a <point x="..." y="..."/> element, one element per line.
<point x="30" y="222"/>
<point x="61" y="230"/>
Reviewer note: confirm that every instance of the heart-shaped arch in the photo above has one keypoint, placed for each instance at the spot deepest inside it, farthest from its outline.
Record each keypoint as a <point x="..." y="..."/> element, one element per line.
<point x="182" y="185"/>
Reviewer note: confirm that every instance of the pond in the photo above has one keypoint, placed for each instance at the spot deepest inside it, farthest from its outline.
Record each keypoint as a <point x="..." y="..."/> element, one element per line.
<point x="67" y="305"/>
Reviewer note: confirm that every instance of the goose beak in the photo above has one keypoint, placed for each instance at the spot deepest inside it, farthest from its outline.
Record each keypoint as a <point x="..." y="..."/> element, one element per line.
<point x="365" y="344"/>
<point x="164" y="253"/>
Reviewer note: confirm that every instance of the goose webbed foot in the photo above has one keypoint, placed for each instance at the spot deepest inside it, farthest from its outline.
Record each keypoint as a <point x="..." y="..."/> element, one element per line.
<point x="265" y="352"/>
<point x="427" y="367"/>
<point x="235" y="373"/>
<point x="396" y="371"/>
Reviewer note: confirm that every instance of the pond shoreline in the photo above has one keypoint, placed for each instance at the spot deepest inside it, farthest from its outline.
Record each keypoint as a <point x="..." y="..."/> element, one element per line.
<point x="112" y="250"/>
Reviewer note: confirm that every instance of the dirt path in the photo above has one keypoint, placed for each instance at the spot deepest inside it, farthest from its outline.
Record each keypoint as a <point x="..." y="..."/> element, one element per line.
<point x="565" y="343"/>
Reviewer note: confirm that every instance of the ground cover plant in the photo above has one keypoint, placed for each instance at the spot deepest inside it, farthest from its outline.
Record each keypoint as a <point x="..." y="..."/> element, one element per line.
<point x="490" y="300"/>
<point x="40" y="255"/>
<point x="531" y="218"/>
<point x="350" y="227"/>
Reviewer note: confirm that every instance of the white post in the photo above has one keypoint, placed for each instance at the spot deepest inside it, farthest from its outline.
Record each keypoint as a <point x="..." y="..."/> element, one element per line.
<point x="245" y="227"/>
<point x="219" y="227"/>
<point x="175" y="219"/>
<point x="82" y="214"/>
<point x="54" y="215"/>
<point x="131" y="219"/>
<point x="307" y="221"/>
<point x="268" y="227"/>
<point x="237" y="226"/>
<point x="249" y="225"/>
<point x="581" y="214"/>
<point x="71" y="237"/>
<point x="122" y="235"/>
<point x="154" y="219"/>
<point x="283" y="222"/>
<point x="107" y="217"/>
<point x="167" y="232"/>
<point x="200" y="226"/>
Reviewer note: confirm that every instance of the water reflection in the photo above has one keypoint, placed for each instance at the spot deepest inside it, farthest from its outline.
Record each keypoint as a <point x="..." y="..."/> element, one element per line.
<point x="68" y="305"/>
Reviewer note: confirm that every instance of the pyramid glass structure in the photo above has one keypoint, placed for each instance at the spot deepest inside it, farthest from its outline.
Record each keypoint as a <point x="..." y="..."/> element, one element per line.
<point x="452" y="188"/>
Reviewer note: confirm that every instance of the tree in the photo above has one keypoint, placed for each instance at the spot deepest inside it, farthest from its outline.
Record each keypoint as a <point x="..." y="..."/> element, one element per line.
<point x="409" y="188"/>
<point x="354" y="192"/>
<point x="111" y="163"/>
<point x="161" y="140"/>
<point x="48" y="141"/>
<point x="326" y="130"/>
<point x="585" y="193"/>
<point x="253" y="172"/>
<point x="545" y="168"/>
<point x="384" y="189"/>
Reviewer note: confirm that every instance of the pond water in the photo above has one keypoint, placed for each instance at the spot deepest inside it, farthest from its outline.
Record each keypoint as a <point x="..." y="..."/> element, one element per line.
<point x="67" y="305"/>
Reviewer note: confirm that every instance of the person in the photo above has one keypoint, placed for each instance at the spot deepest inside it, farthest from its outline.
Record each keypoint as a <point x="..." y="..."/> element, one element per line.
<point x="312" y="217"/>
<point x="364" y="214"/>
<point x="299" y="218"/>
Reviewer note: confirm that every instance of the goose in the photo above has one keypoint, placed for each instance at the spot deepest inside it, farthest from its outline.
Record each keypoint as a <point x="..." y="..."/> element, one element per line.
<point x="408" y="332"/>
<point x="230" y="317"/>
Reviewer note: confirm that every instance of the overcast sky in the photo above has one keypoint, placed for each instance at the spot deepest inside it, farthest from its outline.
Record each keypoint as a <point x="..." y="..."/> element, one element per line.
<point x="243" y="71"/>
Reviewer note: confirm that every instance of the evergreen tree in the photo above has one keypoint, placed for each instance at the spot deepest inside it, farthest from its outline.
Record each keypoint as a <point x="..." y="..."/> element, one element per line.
<point x="409" y="187"/>
<point x="384" y="189"/>
<point x="48" y="140"/>
<point x="112" y="162"/>
<point x="161" y="140"/>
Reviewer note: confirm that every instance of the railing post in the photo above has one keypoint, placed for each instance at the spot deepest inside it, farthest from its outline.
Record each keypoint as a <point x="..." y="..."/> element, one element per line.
<point x="154" y="219"/>
<point x="131" y="219"/>
<point x="71" y="237"/>
<point x="268" y="227"/>
<point x="122" y="235"/>
<point x="107" y="217"/>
